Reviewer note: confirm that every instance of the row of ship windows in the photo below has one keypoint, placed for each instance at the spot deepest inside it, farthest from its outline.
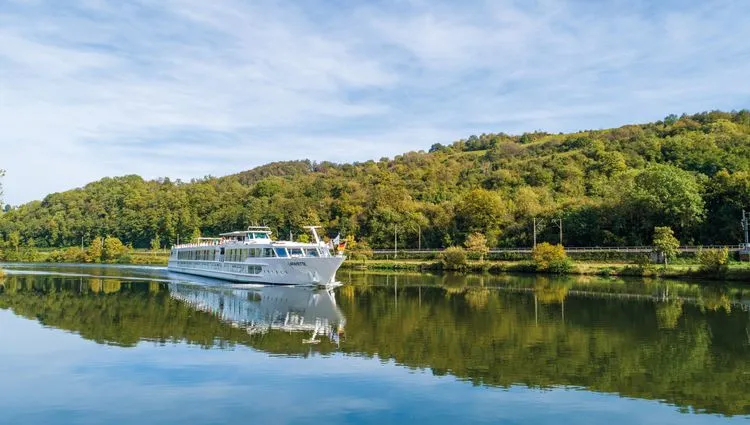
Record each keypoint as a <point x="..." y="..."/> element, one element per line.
<point x="234" y="268"/>
<point x="238" y="255"/>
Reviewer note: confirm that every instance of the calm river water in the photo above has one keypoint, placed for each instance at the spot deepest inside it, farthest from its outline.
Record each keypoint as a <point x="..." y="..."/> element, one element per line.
<point x="137" y="345"/>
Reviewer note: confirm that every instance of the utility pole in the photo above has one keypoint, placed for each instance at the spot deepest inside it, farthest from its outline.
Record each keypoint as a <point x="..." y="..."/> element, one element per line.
<point x="395" y="242"/>
<point x="534" y="246"/>
<point x="746" y="227"/>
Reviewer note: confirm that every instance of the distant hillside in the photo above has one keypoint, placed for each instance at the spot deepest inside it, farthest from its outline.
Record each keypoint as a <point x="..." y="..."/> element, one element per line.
<point x="610" y="187"/>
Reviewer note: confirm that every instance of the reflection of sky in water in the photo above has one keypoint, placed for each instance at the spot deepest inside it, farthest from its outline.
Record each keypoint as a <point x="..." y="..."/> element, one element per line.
<point x="53" y="377"/>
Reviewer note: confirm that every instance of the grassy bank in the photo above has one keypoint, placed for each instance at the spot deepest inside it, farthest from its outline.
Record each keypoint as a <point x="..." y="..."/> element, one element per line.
<point x="133" y="256"/>
<point x="734" y="272"/>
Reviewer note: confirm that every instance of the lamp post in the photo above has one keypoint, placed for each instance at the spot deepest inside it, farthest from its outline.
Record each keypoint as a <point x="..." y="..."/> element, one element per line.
<point x="419" y="236"/>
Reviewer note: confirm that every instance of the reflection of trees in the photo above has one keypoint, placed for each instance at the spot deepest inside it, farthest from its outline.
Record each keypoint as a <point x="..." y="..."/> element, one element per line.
<point x="714" y="299"/>
<point x="454" y="283"/>
<point x="668" y="313"/>
<point x="477" y="297"/>
<point x="604" y="344"/>
<point x="489" y="337"/>
<point x="550" y="292"/>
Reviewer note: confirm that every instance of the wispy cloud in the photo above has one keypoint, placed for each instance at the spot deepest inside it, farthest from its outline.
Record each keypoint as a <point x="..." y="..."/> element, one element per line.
<point x="185" y="88"/>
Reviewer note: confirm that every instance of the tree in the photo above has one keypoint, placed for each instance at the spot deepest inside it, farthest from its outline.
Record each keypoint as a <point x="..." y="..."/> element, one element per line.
<point x="477" y="243"/>
<point x="664" y="195"/>
<point x="155" y="243"/>
<point x="95" y="250"/>
<point x="481" y="210"/>
<point x="113" y="248"/>
<point x="665" y="243"/>
<point x="195" y="235"/>
<point x="14" y="240"/>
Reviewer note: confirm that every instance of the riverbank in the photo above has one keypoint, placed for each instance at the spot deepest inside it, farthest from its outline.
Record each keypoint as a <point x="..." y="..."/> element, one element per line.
<point x="734" y="272"/>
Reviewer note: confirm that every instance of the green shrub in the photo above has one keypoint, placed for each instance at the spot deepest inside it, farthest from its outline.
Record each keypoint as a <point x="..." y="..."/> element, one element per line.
<point x="453" y="258"/>
<point x="713" y="260"/>
<point x="551" y="258"/>
<point x="476" y="243"/>
<point x="113" y="249"/>
<point x="73" y="254"/>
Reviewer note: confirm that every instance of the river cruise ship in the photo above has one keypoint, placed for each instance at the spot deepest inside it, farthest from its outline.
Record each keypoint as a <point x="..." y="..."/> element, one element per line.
<point x="250" y="256"/>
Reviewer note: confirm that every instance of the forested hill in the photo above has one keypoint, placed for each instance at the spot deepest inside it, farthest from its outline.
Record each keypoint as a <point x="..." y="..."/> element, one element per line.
<point x="610" y="187"/>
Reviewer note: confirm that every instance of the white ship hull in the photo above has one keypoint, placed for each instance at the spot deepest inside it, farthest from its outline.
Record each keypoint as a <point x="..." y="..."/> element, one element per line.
<point x="275" y="271"/>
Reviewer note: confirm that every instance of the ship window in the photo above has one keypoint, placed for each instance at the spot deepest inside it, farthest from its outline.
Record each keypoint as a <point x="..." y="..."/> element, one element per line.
<point x="295" y="252"/>
<point x="311" y="252"/>
<point x="280" y="252"/>
<point x="260" y="236"/>
<point x="267" y="252"/>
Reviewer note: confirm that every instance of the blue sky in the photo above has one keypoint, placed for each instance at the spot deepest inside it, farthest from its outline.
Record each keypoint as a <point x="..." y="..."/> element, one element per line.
<point x="187" y="88"/>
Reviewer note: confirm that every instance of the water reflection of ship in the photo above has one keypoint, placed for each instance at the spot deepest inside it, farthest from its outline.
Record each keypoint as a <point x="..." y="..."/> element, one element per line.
<point x="260" y="310"/>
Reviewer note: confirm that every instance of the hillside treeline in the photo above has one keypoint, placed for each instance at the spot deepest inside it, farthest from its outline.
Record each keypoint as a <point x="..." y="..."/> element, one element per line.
<point x="609" y="187"/>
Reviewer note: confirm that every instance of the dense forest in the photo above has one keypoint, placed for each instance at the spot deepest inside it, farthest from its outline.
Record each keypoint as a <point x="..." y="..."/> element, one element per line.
<point x="608" y="187"/>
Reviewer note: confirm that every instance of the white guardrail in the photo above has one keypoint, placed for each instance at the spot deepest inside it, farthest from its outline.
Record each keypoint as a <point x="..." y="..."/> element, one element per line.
<point x="731" y="248"/>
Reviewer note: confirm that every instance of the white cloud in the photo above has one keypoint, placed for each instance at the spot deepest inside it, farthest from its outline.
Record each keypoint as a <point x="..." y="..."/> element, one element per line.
<point x="185" y="88"/>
